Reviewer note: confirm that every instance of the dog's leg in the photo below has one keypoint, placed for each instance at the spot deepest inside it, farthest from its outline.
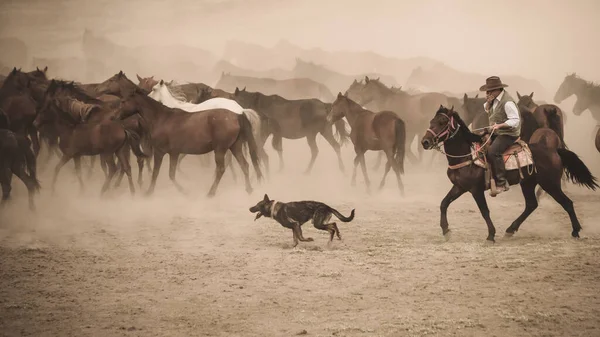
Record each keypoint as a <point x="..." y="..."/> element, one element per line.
<point x="298" y="227"/>
<point x="295" y="237"/>
<point x="319" y="219"/>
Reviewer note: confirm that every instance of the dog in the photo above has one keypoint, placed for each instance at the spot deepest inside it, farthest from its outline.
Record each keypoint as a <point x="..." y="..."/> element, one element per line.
<point x="293" y="215"/>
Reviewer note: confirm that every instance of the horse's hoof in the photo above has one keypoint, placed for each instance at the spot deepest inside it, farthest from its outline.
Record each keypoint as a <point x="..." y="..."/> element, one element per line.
<point x="447" y="235"/>
<point x="490" y="241"/>
<point x="309" y="239"/>
<point x="575" y="235"/>
<point x="508" y="234"/>
<point x="211" y="195"/>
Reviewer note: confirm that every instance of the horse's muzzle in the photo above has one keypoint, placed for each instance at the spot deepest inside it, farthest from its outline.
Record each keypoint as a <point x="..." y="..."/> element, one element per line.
<point x="427" y="144"/>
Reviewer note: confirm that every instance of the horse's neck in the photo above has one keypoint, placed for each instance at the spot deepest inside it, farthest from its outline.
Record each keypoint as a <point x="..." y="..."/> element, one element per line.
<point x="458" y="147"/>
<point x="353" y="112"/>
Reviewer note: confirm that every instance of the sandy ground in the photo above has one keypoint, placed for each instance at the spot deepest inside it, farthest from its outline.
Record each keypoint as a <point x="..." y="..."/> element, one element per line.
<point x="185" y="265"/>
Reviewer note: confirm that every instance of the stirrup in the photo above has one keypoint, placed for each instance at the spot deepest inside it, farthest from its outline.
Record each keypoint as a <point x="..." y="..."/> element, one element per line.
<point x="494" y="190"/>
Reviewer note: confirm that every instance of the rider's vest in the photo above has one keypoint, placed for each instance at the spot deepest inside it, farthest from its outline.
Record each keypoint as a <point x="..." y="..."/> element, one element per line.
<point x="497" y="115"/>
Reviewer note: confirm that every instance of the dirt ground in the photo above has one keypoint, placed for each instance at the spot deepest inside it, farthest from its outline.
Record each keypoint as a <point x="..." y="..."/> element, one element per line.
<point x="185" y="265"/>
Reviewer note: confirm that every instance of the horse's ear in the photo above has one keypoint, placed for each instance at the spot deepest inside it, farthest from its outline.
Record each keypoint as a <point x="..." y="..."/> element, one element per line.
<point x="237" y="91"/>
<point x="518" y="95"/>
<point x="346" y="94"/>
<point x="37" y="68"/>
<point x="531" y="95"/>
<point x="441" y="107"/>
<point x="465" y="98"/>
<point x="366" y="79"/>
<point x="266" y="197"/>
<point x="45" y="69"/>
<point x="377" y="78"/>
<point x="355" y="81"/>
<point x="120" y="72"/>
<point x="152" y="77"/>
<point x="477" y="96"/>
<point x="138" y="77"/>
<point x="170" y="83"/>
<point x="14" y="71"/>
<point x="244" y="89"/>
<point x="162" y="82"/>
<point x="339" y="94"/>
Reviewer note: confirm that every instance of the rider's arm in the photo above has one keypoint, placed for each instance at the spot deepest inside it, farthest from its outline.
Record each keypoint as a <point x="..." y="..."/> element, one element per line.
<point x="512" y="113"/>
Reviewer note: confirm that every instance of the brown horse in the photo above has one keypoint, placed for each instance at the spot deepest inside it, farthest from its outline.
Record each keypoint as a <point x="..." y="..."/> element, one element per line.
<point x="546" y="115"/>
<point x="105" y="138"/>
<point x="189" y="90"/>
<point x="16" y="157"/>
<point x="412" y="109"/>
<point x="291" y="119"/>
<point x="473" y="112"/>
<point x="466" y="176"/>
<point x="18" y="103"/>
<point x="382" y="131"/>
<point x="588" y="95"/>
<point x="175" y="131"/>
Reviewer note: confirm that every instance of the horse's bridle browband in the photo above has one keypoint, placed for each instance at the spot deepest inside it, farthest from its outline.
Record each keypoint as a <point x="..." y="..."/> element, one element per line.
<point x="449" y="131"/>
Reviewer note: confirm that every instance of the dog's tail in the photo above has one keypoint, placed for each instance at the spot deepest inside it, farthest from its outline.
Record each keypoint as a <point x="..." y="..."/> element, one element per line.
<point x="341" y="217"/>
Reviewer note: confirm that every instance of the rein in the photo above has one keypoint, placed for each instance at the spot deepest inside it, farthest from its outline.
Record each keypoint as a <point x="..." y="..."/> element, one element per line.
<point x="449" y="132"/>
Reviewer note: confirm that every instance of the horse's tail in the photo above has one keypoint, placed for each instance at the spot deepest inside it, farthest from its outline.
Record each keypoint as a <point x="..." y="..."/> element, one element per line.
<point x="341" y="131"/>
<point x="255" y="121"/>
<point x="134" y="142"/>
<point x="341" y="217"/>
<point x="400" y="143"/>
<point x="247" y="134"/>
<point x="575" y="169"/>
<point x="554" y="123"/>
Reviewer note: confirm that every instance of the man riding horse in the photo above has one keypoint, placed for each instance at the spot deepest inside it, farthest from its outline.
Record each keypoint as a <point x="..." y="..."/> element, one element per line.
<point x="505" y="127"/>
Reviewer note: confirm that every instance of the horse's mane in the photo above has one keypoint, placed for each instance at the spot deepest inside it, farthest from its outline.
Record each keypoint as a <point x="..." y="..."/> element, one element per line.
<point x="77" y="92"/>
<point x="470" y="136"/>
<point x="175" y="91"/>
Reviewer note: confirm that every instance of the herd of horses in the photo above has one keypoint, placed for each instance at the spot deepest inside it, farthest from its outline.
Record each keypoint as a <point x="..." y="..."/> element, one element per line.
<point x="111" y="120"/>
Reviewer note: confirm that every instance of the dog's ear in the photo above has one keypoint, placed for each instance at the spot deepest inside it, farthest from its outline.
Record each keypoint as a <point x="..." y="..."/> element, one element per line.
<point x="266" y="198"/>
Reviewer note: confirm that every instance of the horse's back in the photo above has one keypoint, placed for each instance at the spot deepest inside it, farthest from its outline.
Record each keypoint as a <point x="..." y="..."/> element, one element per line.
<point x="221" y="103"/>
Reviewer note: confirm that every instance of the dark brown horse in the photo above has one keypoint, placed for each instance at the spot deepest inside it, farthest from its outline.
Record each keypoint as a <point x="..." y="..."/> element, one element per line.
<point x="105" y="137"/>
<point x="382" y="131"/>
<point x="466" y="176"/>
<point x="473" y="112"/>
<point x="293" y="119"/>
<point x="18" y="103"/>
<point x="16" y="157"/>
<point x="587" y="93"/>
<point x="175" y="131"/>
<point x="546" y="115"/>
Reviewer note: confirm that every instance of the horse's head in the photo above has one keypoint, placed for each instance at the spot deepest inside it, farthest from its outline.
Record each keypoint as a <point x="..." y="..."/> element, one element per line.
<point x="526" y="102"/>
<point x="47" y="105"/>
<point x="117" y="85"/>
<point x="157" y="91"/>
<point x="146" y="83"/>
<point x="39" y="75"/>
<point x="569" y="86"/>
<point x="355" y="89"/>
<point x="129" y="105"/>
<point x="17" y="79"/>
<point x="372" y="90"/>
<point x="339" y="108"/>
<point x="444" y="126"/>
<point x="247" y="99"/>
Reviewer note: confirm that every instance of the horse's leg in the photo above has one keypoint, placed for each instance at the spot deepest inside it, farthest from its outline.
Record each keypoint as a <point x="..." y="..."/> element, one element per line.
<point x="173" y="160"/>
<point x="479" y="196"/>
<point x="328" y="135"/>
<point x="63" y="160"/>
<point x="124" y="156"/>
<point x="125" y="153"/>
<point x="219" y="170"/>
<point x="35" y="141"/>
<point x="140" y="162"/>
<point x="363" y="167"/>
<point x="91" y="169"/>
<point x="560" y="197"/>
<point x="388" y="166"/>
<point x="237" y="152"/>
<point x="158" y="158"/>
<point x="356" y="161"/>
<point x="277" y="143"/>
<point x="29" y="182"/>
<point x="77" y="160"/>
<point x="410" y="136"/>
<point x="104" y="165"/>
<point x="454" y="193"/>
<point x="539" y="193"/>
<point x="378" y="161"/>
<point x="5" y="180"/>
<point x="531" y="203"/>
<point x="228" y="163"/>
<point x="112" y="170"/>
<point x="314" y="151"/>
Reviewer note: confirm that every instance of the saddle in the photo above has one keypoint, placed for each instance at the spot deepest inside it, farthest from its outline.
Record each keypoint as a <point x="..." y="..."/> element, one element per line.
<point x="515" y="157"/>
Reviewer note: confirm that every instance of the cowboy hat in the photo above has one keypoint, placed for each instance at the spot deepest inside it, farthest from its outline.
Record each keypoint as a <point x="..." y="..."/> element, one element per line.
<point x="492" y="83"/>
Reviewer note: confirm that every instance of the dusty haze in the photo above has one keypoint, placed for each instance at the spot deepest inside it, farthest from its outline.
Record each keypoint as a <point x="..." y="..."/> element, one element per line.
<point x="185" y="265"/>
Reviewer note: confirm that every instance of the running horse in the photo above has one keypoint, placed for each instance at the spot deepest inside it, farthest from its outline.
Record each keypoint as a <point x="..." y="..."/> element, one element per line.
<point x="382" y="131"/>
<point x="527" y="165"/>
<point x="546" y="115"/>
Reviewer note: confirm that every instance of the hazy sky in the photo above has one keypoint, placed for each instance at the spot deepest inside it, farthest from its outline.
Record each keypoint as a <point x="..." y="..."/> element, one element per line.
<point x="534" y="38"/>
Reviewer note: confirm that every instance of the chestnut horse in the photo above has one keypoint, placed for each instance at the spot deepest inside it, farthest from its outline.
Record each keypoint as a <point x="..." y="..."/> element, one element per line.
<point x="175" y="131"/>
<point x="546" y="115"/>
<point x="447" y="127"/>
<point x="382" y="131"/>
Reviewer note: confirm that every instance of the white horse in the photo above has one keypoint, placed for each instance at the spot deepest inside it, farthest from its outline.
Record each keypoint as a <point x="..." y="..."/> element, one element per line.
<point x="173" y="99"/>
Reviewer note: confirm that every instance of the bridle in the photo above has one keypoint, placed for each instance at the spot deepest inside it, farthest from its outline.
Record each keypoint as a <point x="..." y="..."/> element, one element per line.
<point x="449" y="131"/>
